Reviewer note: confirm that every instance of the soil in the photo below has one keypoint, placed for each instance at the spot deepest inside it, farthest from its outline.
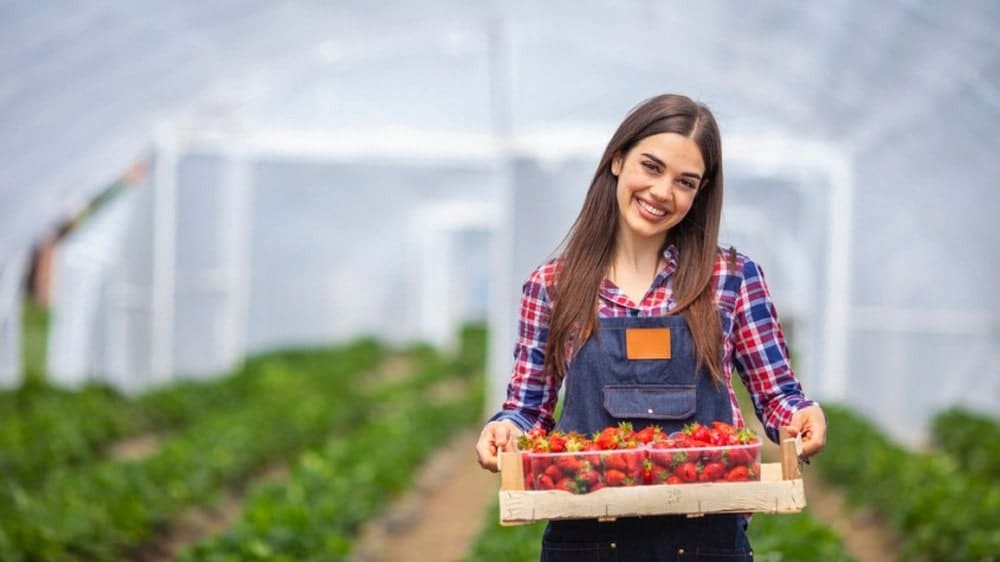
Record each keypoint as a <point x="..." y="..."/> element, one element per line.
<point x="441" y="517"/>
<point x="199" y="523"/>
<point x="135" y="448"/>
<point x="866" y="536"/>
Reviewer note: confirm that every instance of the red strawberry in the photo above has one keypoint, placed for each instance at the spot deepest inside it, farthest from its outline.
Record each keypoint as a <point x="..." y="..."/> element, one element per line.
<point x="589" y="477"/>
<point x="674" y="479"/>
<point x="723" y="427"/>
<point x="698" y="432"/>
<point x="661" y="453"/>
<point x="688" y="472"/>
<point x="557" y="442"/>
<point x="660" y="474"/>
<point x="569" y="463"/>
<point x="649" y="434"/>
<point x="544" y="483"/>
<point x="567" y="485"/>
<point x="738" y="474"/>
<point x="739" y="455"/>
<point x="553" y="472"/>
<point x="634" y="461"/>
<point x="616" y="478"/>
<point x="712" y="471"/>
<point x="607" y="439"/>
<point x="615" y="461"/>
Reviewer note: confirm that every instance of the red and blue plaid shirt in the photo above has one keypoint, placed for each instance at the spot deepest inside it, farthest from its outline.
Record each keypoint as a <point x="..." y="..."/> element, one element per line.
<point x="754" y="344"/>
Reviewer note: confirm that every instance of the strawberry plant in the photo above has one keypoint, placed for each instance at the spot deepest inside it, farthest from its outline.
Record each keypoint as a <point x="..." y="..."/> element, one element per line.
<point x="945" y="513"/>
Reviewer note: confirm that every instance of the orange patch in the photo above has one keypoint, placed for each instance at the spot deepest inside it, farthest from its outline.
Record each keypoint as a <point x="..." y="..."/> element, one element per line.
<point x="647" y="343"/>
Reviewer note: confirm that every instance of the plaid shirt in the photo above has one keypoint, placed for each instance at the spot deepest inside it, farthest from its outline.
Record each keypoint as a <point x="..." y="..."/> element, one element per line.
<point x="754" y="344"/>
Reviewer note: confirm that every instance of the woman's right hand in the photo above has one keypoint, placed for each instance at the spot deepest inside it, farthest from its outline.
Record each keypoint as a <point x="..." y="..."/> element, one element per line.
<point x="496" y="436"/>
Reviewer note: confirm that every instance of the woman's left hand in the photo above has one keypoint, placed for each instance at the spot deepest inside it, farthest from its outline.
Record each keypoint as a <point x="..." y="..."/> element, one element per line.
<point x="810" y="422"/>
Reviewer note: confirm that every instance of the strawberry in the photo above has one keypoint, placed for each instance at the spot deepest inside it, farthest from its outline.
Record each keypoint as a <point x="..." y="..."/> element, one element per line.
<point x="553" y="472"/>
<point x="607" y="439"/>
<point x="674" y="479"/>
<point x="616" y="478"/>
<point x="698" y="432"/>
<point x="739" y="455"/>
<point x="649" y="434"/>
<point x="544" y="483"/>
<point x="712" y="471"/>
<point x="569" y="464"/>
<point x="738" y="474"/>
<point x="588" y="477"/>
<point x="688" y="472"/>
<point x="723" y="427"/>
<point x="634" y="461"/>
<point x="567" y="485"/>
<point x="615" y="461"/>
<point x="557" y="442"/>
<point x="660" y="474"/>
<point x="660" y="453"/>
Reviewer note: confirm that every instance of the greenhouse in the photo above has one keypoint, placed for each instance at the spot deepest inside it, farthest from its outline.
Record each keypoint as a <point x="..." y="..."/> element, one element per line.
<point x="261" y="263"/>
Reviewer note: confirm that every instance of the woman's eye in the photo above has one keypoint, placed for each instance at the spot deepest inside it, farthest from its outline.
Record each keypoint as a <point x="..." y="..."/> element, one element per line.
<point x="651" y="167"/>
<point x="689" y="184"/>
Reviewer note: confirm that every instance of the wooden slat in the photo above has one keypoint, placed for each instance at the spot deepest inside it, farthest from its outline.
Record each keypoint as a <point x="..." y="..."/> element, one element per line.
<point x="789" y="457"/>
<point x="770" y="495"/>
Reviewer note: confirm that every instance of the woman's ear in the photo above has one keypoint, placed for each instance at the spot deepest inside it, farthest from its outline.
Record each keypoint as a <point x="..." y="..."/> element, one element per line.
<point x="616" y="164"/>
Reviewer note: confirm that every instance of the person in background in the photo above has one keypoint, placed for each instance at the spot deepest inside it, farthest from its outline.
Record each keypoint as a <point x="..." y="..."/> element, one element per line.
<point x="644" y="318"/>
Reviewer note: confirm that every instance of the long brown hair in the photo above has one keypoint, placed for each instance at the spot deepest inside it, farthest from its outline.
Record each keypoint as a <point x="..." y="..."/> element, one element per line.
<point x="590" y="243"/>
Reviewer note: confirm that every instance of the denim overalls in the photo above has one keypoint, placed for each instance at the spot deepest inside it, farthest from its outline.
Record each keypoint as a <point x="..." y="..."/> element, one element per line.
<point x="604" y="387"/>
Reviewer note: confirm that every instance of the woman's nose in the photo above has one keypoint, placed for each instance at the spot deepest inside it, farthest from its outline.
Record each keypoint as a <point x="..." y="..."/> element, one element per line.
<point x="662" y="190"/>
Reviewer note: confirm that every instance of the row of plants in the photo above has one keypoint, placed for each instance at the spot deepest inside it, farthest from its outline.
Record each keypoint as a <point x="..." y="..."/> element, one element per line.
<point x="316" y="513"/>
<point x="43" y="427"/>
<point x="944" y="512"/>
<point x="101" y="510"/>
<point x="972" y="439"/>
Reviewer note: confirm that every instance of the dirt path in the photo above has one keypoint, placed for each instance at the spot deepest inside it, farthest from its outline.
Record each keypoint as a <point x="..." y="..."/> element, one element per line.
<point x="866" y="536"/>
<point x="438" y="519"/>
<point x="196" y="524"/>
<point x="135" y="448"/>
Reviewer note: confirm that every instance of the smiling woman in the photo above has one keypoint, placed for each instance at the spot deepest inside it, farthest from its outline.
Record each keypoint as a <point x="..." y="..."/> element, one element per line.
<point x="642" y="261"/>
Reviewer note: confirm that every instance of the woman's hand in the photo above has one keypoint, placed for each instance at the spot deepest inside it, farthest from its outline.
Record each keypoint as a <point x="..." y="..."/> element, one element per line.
<point x="810" y="422"/>
<point x="496" y="436"/>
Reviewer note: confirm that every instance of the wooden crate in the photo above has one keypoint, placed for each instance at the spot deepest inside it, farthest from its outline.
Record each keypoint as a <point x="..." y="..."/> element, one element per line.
<point x="780" y="490"/>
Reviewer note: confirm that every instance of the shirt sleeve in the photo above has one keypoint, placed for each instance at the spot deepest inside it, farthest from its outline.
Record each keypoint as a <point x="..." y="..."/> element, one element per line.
<point x="531" y="393"/>
<point x="761" y="356"/>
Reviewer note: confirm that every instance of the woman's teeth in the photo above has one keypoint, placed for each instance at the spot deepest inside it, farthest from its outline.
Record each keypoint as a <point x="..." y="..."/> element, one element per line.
<point x="651" y="209"/>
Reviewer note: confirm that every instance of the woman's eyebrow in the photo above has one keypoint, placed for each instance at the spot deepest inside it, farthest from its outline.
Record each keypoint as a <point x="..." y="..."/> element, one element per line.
<point x="664" y="165"/>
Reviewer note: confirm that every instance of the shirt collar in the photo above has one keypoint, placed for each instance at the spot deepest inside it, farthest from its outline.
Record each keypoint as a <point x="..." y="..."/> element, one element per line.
<point x="610" y="292"/>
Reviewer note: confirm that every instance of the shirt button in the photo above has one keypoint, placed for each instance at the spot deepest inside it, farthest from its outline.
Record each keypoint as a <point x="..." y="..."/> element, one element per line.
<point x="613" y="545"/>
<point x="649" y="411"/>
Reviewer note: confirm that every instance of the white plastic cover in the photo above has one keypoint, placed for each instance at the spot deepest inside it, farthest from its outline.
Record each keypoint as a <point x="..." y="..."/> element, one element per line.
<point x="859" y="143"/>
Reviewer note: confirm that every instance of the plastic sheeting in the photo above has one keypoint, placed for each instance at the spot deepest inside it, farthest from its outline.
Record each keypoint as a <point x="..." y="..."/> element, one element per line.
<point x="859" y="149"/>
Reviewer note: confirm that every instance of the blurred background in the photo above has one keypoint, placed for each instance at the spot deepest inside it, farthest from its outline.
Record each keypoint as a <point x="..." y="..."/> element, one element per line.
<point x="186" y="185"/>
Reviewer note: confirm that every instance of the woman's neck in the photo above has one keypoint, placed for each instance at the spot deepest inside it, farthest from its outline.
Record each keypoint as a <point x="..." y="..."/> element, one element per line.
<point x="641" y="255"/>
<point x="635" y="264"/>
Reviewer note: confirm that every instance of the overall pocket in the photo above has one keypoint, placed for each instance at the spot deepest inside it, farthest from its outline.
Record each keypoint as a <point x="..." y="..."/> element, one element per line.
<point x="653" y="402"/>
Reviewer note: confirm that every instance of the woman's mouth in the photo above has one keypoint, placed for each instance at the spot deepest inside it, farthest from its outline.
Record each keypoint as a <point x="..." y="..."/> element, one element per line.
<point x="649" y="211"/>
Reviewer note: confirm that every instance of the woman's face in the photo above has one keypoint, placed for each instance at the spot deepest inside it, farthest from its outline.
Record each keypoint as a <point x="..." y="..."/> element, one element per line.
<point x="657" y="182"/>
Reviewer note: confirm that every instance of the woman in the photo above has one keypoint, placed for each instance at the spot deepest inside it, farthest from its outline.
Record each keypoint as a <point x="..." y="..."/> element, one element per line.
<point x="644" y="318"/>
